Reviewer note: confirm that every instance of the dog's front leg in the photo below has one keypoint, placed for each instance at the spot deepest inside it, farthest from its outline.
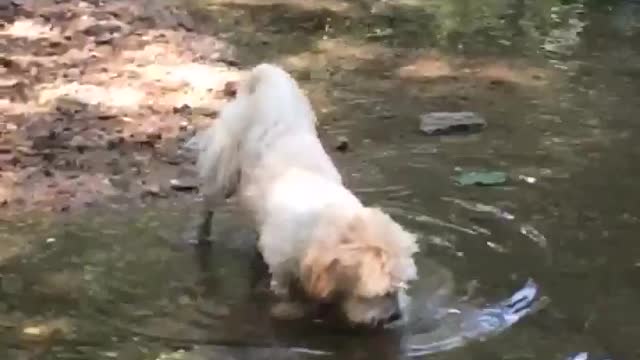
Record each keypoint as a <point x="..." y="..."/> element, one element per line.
<point x="280" y="284"/>
<point x="210" y="202"/>
<point x="286" y="307"/>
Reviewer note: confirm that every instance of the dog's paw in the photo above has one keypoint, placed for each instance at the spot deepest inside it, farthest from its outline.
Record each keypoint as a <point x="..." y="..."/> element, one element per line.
<point x="189" y="237"/>
<point x="279" y="288"/>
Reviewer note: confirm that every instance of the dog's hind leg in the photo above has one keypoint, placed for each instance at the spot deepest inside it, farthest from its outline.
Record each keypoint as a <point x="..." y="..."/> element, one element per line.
<point x="204" y="228"/>
<point x="198" y="229"/>
<point x="206" y="218"/>
<point x="259" y="272"/>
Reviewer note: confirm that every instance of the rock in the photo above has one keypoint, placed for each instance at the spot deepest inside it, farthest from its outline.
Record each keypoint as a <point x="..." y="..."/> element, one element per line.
<point x="9" y="158"/>
<point x="8" y="82"/>
<point x="11" y="284"/>
<point x="121" y="183"/>
<point x="115" y="166"/>
<point x="214" y="309"/>
<point x="101" y="28"/>
<point x="26" y="151"/>
<point x="186" y="22"/>
<point x="48" y="156"/>
<point x="342" y="144"/>
<point x="481" y="178"/>
<point x="204" y="110"/>
<point x="46" y="141"/>
<point x="148" y="139"/>
<point x="154" y="136"/>
<point x="153" y="190"/>
<point x="114" y="142"/>
<point x="72" y="73"/>
<point x="182" y="109"/>
<point x="80" y="143"/>
<point x="104" y="38"/>
<point x="47" y="331"/>
<point x="230" y="89"/>
<point x="106" y="116"/>
<point x="171" y="154"/>
<point x="441" y="123"/>
<point x="68" y="105"/>
<point x="52" y="48"/>
<point x="183" y="184"/>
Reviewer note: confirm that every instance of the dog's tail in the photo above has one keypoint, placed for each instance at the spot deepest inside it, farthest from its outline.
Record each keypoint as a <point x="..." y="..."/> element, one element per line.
<point x="268" y="95"/>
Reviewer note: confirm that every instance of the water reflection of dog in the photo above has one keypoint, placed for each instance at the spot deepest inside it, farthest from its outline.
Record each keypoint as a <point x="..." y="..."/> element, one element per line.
<point x="314" y="232"/>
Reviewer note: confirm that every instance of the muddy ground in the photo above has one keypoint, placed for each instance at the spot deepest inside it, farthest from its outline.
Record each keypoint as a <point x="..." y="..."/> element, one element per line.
<point x="97" y="98"/>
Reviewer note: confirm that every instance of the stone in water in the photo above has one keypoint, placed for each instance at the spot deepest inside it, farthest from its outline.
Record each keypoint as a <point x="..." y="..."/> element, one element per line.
<point x="442" y="123"/>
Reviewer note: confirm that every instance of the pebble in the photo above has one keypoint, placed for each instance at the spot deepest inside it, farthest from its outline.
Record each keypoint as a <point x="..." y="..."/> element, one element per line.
<point x="342" y="144"/>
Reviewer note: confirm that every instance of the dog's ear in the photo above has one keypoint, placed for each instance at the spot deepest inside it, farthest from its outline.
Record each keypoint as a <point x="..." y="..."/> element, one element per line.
<point x="319" y="271"/>
<point x="374" y="273"/>
<point x="383" y="251"/>
<point x="371" y="260"/>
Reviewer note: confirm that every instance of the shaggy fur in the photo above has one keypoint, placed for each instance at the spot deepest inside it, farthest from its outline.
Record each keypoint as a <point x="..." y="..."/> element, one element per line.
<point x="313" y="231"/>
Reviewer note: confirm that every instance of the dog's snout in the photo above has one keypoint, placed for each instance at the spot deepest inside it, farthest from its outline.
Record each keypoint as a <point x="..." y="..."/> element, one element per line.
<point x="396" y="312"/>
<point x="395" y="316"/>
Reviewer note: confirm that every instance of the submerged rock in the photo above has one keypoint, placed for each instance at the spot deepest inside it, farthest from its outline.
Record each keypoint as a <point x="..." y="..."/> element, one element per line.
<point x="485" y="178"/>
<point x="441" y="123"/>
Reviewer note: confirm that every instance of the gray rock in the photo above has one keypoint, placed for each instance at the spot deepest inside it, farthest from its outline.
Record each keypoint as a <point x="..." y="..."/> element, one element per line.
<point x="342" y="144"/>
<point x="184" y="184"/>
<point x="442" y="123"/>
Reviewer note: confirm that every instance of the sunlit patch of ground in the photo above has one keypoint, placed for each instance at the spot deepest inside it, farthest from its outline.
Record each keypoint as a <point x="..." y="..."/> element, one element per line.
<point x="31" y="29"/>
<point x="334" y="5"/>
<point x="98" y="97"/>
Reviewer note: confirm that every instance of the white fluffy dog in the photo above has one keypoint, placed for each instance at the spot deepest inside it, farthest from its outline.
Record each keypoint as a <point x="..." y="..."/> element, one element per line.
<point x="313" y="232"/>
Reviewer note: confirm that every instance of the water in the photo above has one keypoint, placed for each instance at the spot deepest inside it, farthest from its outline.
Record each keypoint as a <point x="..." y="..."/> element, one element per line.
<point x="557" y="82"/>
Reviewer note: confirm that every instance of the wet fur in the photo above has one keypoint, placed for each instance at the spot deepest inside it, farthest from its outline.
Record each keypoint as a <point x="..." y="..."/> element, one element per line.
<point x="313" y="231"/>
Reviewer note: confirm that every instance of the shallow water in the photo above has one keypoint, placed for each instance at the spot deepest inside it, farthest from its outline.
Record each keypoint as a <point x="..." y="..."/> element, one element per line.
<point x="558" y="85"/>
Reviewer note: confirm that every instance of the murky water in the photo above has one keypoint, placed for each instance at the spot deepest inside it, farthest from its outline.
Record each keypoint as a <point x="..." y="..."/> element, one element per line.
<point x="556" y="80"/>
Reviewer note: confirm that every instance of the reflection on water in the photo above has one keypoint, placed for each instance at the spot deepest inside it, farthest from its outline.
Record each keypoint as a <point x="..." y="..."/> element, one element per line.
<point x="558" y="85"/>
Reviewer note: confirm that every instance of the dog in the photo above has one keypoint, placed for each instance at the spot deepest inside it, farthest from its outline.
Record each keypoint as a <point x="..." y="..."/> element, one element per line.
<point x="264" y="149"/>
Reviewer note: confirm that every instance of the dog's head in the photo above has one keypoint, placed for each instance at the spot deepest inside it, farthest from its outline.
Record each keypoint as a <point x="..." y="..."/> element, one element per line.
<point x="363" y="263"/>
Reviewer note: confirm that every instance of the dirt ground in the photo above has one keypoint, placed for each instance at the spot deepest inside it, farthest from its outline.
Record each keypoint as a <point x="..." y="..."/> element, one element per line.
<point x="96" y="99"/>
